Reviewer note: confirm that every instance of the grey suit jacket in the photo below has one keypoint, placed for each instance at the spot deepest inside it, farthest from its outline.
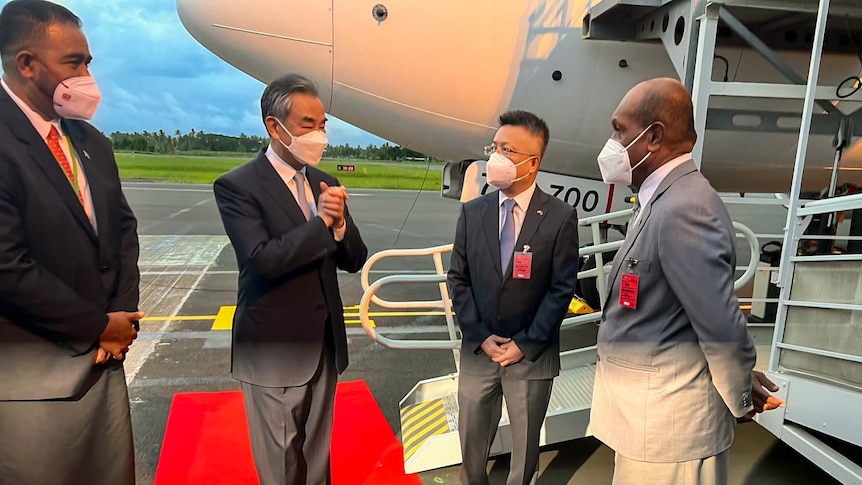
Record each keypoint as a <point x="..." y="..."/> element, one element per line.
<point x="488" y="300"/>
<point x="674" y="371"/>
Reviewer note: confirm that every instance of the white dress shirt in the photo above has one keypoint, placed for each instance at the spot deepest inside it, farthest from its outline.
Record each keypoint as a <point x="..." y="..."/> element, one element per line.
<point x="653" y="180"/>
<point x="43" y="128"/>
<point x="522" y="202"/>
<point x="287" y="174"/>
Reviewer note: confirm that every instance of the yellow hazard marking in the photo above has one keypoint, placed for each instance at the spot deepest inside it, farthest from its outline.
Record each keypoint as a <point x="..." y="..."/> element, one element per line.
<point x="357" y="322"/>
<point x="420" y="422"/>
<point x="224" y="319"/>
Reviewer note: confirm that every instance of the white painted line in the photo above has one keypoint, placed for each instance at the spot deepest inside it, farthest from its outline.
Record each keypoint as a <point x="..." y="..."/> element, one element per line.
<point x="167" y="189"/>
<point x="151" y="345"/>
<point x="175" y="214"/>
<point x="233" y="272"/>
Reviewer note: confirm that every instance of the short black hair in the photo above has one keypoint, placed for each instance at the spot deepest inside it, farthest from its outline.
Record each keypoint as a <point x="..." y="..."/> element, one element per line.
<point x="275" y="100"/>
<point x="528" y="121"/>
<point x="20" y="20"/>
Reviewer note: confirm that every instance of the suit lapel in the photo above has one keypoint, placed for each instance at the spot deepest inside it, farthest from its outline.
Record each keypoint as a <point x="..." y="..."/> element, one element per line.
<point x="21" y="128"/>
<point x="276" y="188"/>
<point x="314" y="179"/>
<point x="491" y="224"/>
<point x="635" y="230"/>
<point x="533" y="217"/>
<point x="94" y="179"/>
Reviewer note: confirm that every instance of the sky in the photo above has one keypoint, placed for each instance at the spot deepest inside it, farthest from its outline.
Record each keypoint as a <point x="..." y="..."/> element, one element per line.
<point x="154" y="76"/>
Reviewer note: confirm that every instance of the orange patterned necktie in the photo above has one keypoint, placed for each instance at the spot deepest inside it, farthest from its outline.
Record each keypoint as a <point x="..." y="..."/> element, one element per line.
<point x="57" y="151"/>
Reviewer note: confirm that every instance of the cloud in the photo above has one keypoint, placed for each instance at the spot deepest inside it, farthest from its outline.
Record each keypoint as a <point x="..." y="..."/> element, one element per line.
<point x="154" y="76"/>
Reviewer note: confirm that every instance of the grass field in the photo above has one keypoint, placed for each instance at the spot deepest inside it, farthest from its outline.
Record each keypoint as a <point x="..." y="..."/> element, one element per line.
<point x="369" y="174"/>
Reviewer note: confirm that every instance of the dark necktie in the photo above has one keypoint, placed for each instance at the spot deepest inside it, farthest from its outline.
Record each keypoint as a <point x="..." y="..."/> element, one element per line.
<point x="507" y="234"/>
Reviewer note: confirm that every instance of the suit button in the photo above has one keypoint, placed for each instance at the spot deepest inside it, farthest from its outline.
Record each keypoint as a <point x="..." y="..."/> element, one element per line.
<point x="103" y="268"/>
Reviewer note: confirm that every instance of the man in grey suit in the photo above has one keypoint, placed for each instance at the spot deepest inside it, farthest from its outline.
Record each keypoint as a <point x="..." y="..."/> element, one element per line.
<point x="291" y="231"/>
<point x="512" y="276"/>
<point x="675" y="357"/>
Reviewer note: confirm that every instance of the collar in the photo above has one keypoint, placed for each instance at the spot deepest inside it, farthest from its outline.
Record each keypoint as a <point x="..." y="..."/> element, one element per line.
<point x="42" y="127"/>
<point x="522" y="200"/>
<point x="653" y="180"/>
<point x="283" y="168"/>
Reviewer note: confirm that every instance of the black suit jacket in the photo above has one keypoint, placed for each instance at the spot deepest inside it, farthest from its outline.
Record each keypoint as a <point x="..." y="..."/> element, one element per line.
<point x="58" y="277"/>
<point x="488" y="300"/>
<point x="288" y="304"/>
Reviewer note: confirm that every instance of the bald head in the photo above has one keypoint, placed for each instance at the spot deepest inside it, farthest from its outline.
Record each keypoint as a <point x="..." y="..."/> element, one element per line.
<point x="655" y="121"/>
<point x="667" y="101"/>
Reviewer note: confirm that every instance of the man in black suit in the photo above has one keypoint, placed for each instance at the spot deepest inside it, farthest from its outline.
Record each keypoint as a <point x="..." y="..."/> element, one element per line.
<point x="68" y="263"/>
<point x="512" y="276"/>
<point x="291" y="230"/>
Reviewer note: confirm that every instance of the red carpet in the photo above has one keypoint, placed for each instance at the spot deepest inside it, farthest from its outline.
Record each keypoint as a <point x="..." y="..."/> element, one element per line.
<point x="206" y="441"/>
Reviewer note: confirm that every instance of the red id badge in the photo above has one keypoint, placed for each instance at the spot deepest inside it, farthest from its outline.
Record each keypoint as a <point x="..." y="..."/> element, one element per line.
<point x="629" y="291"/>
<point x="523" y="266"/>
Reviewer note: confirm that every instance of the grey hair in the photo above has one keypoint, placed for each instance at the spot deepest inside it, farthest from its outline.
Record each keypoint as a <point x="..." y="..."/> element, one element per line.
<point x="276" y="101"/>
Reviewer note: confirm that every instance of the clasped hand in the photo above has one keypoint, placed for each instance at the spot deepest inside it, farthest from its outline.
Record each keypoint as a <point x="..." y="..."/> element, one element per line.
<point x="330" y="205"/>
<point x="118" y="335"/>
<point x="503" y="351"/>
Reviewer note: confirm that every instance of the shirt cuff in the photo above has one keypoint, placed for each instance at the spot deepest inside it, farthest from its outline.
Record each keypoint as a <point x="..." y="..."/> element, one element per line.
<point x="339" y="233"/>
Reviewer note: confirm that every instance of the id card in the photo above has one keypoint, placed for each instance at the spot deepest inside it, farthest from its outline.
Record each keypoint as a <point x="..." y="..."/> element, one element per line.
<point x="629" y="291"/>
<point x="523" y="266"/>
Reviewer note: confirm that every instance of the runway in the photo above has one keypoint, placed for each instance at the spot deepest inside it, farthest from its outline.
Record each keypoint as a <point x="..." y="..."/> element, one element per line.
<point x="189" y="275"/>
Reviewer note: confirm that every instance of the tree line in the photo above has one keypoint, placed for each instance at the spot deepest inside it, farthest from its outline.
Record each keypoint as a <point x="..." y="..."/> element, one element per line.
<point x="199" y="141"/>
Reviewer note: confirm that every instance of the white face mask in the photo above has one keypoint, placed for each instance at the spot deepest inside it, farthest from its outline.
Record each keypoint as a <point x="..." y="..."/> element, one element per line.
<point x="77" y="98"/>
<point x="308" y="148"/>
<point x="501" y="171"/>
<point x="614" y="161"/>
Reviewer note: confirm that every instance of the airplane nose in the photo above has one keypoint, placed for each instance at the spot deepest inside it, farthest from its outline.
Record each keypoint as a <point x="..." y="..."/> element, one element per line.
<point x="266" y="38"/>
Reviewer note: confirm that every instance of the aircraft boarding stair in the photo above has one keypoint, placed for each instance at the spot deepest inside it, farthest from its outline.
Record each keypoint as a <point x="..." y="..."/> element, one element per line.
<point x="429" y="412"/>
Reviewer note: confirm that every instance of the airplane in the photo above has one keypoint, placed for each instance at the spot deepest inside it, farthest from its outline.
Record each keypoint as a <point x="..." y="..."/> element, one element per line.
<point x="434" y="77"/>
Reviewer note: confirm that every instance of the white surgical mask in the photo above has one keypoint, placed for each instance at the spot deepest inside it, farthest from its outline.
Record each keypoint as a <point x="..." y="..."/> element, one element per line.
<point x="501" y="171"/>
<point x="308" y="148"/>
<point x="614" y="161"/>
<point x="77" y="98"/>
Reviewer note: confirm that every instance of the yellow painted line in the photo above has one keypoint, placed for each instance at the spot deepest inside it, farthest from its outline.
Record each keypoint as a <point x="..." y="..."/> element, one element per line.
<point x="357" y="322"/>
<point x="397" y="314"/>
<point x="745" y="307"/>
<point x="433" y="407"/>
<point x="414" y="409"/>
<point x="351" y="307"/>
<point x="178" y="318"/>
<point x="224" y="319"/>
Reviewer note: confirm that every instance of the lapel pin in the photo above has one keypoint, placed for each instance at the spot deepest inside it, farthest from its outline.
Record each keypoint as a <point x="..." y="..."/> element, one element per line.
<point x="540" y="212"/>
<point x="86" y="155"/>
<point x="526" y="248"/>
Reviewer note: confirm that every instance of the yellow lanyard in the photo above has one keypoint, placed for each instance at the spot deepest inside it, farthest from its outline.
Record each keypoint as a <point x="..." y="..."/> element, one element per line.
<point x="74" y="161"/>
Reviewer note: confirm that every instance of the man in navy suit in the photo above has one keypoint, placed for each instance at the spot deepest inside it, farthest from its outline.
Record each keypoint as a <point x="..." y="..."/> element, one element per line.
<point x="512" y="276"/>
<point x="68" y="263"/>
<point x="291" y="231"/>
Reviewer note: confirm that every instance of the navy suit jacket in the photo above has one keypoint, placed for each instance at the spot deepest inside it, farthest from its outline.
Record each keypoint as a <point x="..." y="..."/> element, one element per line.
<point x="58" y="277"/>
<point x="289" y="305"/>
<point x="488" y="300"/>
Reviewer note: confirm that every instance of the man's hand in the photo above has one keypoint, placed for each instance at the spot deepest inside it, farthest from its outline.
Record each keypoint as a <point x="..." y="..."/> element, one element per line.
<point x="760" y="388"/>
<point x="119" y="333"/>
<point x="102" y="356"/>
<point x="511" y="355"/>
<point x="491" y="346"/>
<point x="331" y="204"/>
